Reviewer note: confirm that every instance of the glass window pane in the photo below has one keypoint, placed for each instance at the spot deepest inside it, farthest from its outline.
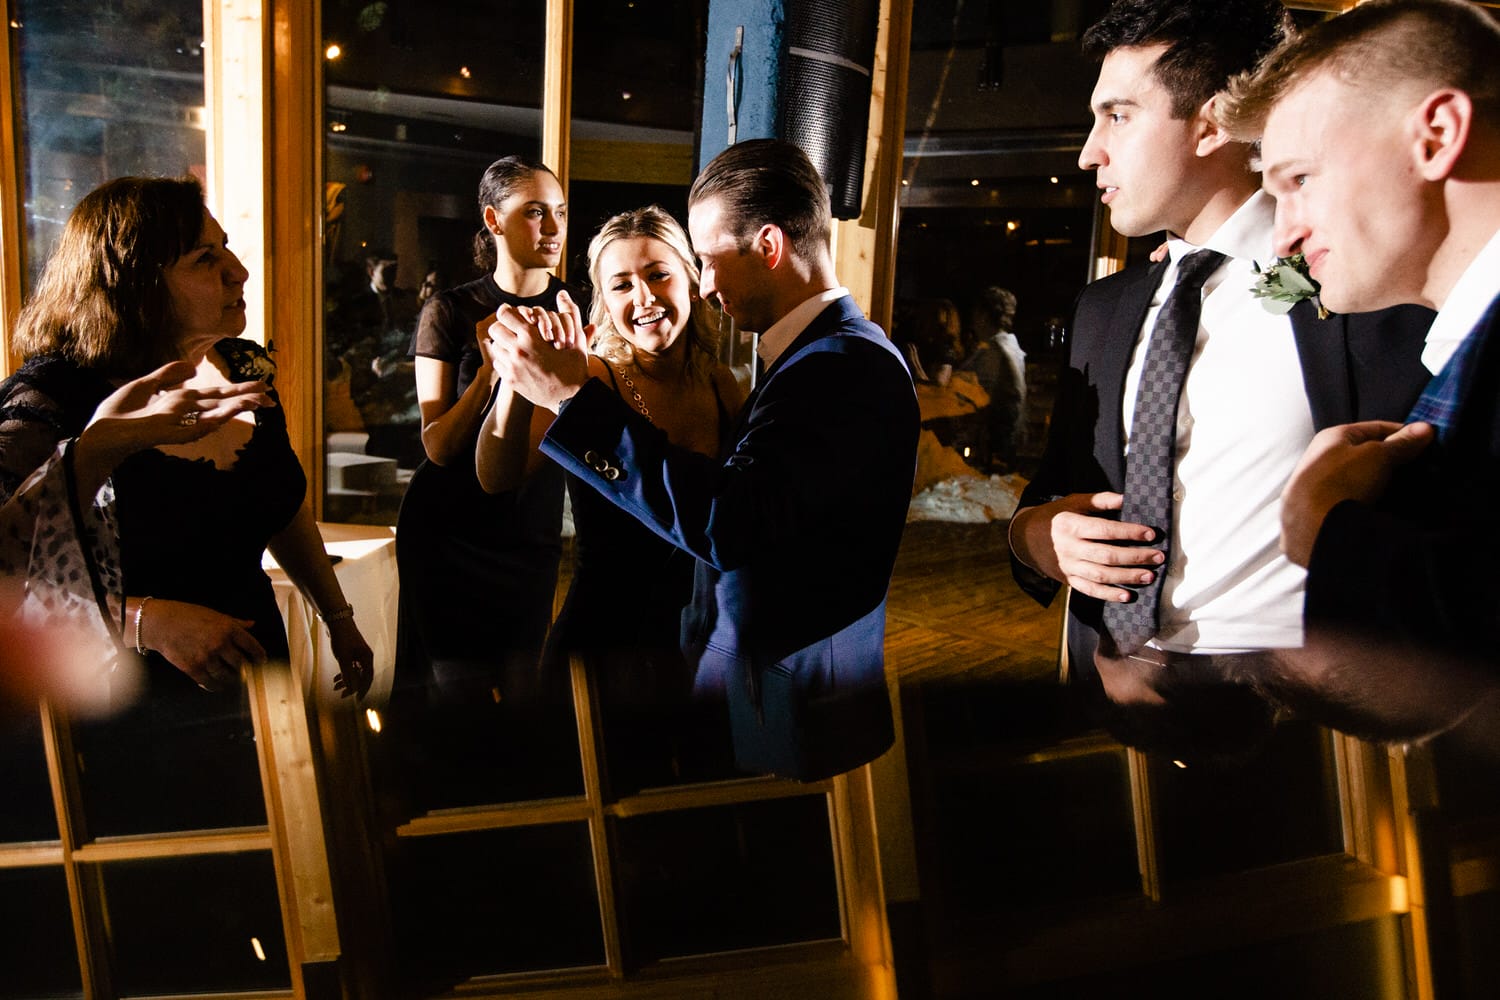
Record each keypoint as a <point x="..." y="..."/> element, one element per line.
<point x="179" y="759"/>
<point x="1277" y="806"/>
<point x="637" y="85"/>
<point x="419" y="100"/>
<point x="106" y="90"/>
<point x="741" y="876"/>
<point x="195" y="925"/>
<point x="1010" y="832"/>
<point x="28" y="812"/>
<point x="36" y="949"/>
<point x="494" y="901"/>
<point x="474" y="750"/>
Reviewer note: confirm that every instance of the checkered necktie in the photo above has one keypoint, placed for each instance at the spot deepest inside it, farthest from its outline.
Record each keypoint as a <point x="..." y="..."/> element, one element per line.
<point x="1153" y="438"/>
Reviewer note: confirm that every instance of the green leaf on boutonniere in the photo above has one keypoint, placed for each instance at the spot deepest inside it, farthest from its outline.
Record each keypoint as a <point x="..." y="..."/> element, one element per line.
<point x="1284" y="284"/>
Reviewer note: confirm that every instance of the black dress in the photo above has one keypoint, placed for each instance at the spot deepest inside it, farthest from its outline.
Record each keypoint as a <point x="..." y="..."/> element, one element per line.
<point x="180" y="757"/>
<point x="478" y="577"/>
<point x="623" y="617"/>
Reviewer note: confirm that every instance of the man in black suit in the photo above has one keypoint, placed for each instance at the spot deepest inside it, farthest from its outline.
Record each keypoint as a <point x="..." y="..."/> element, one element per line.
<point x="1381" y="137"/>
<point x="795" y="526"/>
<point x="1257" y="384"/>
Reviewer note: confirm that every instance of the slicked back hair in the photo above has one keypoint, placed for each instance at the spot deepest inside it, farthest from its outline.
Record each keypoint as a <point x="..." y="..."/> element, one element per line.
<point x="762" y="181"/>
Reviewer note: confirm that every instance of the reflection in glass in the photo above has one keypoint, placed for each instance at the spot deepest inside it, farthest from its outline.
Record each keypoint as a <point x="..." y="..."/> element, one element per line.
<point x="496" y="901"/>
<point x="1021" y="809"/>
<point x="180" y="759"/>
<point x="28" y="812"/>
<point x="742" y="876"/>
<point x="637" y="80"/>
<point x="106" y="90"/>
<point x="170" y="934"/>
<point x="1028" y="814"/>
<point x="36" y="948"/>
<point x="1277" y="806"/>
<point x="420" y="98"/>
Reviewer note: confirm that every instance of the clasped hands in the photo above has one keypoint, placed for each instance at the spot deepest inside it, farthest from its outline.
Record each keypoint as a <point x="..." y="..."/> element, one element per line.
<point x="541" y="355"/>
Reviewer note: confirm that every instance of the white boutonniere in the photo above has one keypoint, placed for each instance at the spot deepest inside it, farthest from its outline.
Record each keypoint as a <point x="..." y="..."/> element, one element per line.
<point x="1285" y="283"/>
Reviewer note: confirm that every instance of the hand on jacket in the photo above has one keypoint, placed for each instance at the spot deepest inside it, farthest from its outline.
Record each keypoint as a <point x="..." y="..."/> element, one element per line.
<point x="1073" y="542"/>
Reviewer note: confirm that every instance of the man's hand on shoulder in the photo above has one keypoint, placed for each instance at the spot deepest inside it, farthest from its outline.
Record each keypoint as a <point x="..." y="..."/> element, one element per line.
<point x="1074" y="541"/>
<point x="1348" y="462"/>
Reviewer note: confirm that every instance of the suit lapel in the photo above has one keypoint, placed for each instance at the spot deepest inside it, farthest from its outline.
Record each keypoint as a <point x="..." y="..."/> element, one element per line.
<point x="1116" y="347"/>
<point x="830" y="317"/>
<point x="1323" y="347"/>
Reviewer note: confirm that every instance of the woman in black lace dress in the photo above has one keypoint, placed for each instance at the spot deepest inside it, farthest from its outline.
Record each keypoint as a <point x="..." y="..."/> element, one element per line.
<point x="143" y="276"/>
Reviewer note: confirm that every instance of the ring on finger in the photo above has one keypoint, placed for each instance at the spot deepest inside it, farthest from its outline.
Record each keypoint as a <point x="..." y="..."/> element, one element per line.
<point x="188" y="419"/>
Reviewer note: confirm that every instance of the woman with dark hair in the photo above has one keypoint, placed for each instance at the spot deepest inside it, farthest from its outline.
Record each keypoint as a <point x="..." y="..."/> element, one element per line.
<point x="652" y="342"/>
<point x="478" y="572"/>
<point x="143" y="277"/>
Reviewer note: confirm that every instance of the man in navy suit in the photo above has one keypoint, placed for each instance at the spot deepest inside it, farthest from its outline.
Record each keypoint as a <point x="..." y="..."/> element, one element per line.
<point x="795" y="526"/>
<point x="1380" y="131"/>
<point x="1258" y="384"/>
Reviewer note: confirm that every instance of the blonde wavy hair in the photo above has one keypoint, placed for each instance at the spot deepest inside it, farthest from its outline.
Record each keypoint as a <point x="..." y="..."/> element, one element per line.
<point x="651" y="222"/>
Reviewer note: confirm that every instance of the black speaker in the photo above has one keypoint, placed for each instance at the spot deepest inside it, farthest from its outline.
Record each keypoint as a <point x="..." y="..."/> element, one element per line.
<point x="825" y="102"/>
<point x="798" y="70"/>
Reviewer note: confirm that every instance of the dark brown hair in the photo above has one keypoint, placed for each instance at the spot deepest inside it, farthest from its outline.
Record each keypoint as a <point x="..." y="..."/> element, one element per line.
<point x="762" y="181"/>
<point x="102" y="299"/>
<point x="1208" y="41"/>
<point x="499" y="182"/>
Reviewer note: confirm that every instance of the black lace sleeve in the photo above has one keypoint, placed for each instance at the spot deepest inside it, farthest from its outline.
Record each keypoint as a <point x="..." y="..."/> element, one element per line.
<point x="31" y="425"/>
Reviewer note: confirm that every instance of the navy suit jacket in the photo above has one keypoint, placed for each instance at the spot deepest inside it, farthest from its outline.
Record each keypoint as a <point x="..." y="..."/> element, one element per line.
<point x="1355" y="367"/>
<point x="795" y="527"/>
<point x="1417" y="568"/>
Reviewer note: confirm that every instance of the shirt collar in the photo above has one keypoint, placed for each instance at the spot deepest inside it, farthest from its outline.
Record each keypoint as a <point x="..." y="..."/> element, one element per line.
<point x="779" y="337"/>
<point x="1461" y="312"/>
<point x="1247" y="234"/>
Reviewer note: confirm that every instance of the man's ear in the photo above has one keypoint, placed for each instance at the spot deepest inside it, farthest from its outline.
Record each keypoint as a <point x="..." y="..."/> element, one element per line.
<point x="1206" y="129"/>
<point x="1439" y="127"/>
<point x="770" y="244"/>
<point x="492" y="220"/>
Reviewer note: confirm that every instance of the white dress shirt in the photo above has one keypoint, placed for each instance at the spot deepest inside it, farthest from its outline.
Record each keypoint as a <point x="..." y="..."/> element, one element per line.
<point x="779" y="337"/>
<point x="1465" y="306"/>
<point x="1242" y="425"/>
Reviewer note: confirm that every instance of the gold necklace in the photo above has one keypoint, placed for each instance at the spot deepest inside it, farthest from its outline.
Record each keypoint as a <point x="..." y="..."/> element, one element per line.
<point x="634" y="392"/>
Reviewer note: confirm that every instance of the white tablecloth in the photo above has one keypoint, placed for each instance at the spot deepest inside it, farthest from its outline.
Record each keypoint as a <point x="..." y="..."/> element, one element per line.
<point x="367" y="573"/>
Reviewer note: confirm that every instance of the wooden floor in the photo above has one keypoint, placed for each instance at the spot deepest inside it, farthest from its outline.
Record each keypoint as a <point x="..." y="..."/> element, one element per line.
<point x="955" y="613"/>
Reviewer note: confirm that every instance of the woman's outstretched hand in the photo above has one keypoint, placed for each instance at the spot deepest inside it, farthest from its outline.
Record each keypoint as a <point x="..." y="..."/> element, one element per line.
<point x="157" y="409"/>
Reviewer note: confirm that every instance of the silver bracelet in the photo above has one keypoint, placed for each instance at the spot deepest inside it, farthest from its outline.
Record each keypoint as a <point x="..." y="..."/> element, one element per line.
<point x="140" y="610"/>
<point x="342" y="614"/>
